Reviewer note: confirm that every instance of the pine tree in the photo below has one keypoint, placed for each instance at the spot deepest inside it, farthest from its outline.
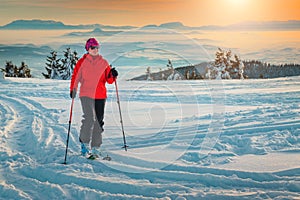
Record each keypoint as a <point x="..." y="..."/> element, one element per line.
<point x="10" y="69"/>
<point x="61" y="68"/>
<point x="224" y="67"/>
<point x="170" y="65"/>
<point x="65" y="69"/>
<point x="52" y="66"/>
<point x="24" y="71"/>
<point x="73" y="60"/>
<point x="239" y="67"/>
<point x="148" y="74"/>
<point x="174" y="74"/>
<point x="220" y="65"/>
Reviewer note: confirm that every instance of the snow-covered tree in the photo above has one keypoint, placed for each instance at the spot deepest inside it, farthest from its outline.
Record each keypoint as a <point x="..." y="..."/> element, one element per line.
<point x="61" y="68"/>
<point x="24" y="71"/>
<point x="162" y="74"/>
<point x="174" y="74"/>
<point x="148" y="74"/>
<point x="238" y="67"/>
<point x="10" y="69"/>
<point x="187" y="74"/>
<point x="224" y="67"/>
<point x="52" y="66"/>
<point x="170" y="65"/>
<point x="68" y="62"/>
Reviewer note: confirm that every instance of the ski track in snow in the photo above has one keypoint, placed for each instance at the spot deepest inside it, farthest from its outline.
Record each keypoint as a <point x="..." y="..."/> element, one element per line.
<point x="261" y="119"/>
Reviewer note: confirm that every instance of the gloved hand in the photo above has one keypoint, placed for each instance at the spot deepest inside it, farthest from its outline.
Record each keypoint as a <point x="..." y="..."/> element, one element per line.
<point x="114" y="72"/>
<point x="73" y="93"/>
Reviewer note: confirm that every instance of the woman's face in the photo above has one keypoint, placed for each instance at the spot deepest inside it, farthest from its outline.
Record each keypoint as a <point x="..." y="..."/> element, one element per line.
<point x="94" y="51"/>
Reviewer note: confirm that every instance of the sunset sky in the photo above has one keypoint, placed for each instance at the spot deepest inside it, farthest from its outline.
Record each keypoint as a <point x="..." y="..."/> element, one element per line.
<point x="143" y="12"/>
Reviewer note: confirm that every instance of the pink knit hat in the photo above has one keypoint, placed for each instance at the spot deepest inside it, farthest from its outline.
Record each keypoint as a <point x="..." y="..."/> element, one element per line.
<point x="92" y="42"/>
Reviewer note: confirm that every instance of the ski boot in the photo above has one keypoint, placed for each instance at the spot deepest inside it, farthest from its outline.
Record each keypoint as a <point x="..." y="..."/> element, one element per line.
<point x="84" y="149"/>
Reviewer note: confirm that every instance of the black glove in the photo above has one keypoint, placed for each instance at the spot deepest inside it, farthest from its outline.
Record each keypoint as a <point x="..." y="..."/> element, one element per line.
<point x="73" y="93"/>
<point x="114" y="72"/>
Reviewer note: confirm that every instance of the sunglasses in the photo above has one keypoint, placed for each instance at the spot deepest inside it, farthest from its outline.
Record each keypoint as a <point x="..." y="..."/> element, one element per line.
<point x="94" y="47"/>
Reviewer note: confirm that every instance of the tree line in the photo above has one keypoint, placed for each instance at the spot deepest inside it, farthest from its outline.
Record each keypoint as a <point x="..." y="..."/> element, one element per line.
<point x="56" y="68"/>
<point x="225" y="66"/>
<point x="11" y="70"/>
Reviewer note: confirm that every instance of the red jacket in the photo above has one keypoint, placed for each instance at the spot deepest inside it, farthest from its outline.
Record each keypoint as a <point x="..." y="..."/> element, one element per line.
<point x="92" y="73"/>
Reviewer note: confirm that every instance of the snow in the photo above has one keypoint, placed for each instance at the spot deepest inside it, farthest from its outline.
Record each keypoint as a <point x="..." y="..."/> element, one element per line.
<point x="261" y="163"/>
<point x="232" y="139"/>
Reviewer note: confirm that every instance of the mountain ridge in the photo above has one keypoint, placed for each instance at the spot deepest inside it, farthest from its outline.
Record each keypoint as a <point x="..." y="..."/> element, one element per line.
<point x="38" y="24"/>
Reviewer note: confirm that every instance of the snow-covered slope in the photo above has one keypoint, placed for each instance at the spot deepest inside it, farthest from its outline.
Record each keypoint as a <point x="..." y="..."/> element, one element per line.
<point x="188" y="140"/>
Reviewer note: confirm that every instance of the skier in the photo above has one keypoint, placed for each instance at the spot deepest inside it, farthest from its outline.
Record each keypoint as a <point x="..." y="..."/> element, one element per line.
<point x="92" y="71"/>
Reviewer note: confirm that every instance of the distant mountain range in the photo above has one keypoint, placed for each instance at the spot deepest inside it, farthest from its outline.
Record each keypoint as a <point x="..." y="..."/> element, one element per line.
<point x="96" y="31"/>
<point x="37" y="24"/>
<point x="250" y="25"/>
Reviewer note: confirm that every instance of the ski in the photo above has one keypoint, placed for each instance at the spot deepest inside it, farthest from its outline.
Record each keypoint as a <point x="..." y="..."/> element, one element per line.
<point x="107" y="157"/>
<point x="91" y="157"/>
<point x="94" y="157"/>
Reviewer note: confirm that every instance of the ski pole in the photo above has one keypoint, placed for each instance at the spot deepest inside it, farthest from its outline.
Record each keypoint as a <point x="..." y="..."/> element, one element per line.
<point x="121" y="120"/>
<point x="70" y="120"/>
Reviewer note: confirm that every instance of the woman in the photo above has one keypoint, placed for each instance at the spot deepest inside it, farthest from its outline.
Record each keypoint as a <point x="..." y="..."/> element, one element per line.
<point x="92" y="71"/>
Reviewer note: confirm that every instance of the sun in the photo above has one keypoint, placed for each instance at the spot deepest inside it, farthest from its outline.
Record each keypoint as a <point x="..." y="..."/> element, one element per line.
<point x="235" y="5"/>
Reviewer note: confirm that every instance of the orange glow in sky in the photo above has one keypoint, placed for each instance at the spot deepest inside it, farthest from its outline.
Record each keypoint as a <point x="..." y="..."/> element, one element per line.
<point x="143" y="12"/>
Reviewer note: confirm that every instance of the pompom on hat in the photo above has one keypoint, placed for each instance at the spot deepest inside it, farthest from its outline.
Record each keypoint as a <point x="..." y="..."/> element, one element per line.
<point x="92" y="42"/>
